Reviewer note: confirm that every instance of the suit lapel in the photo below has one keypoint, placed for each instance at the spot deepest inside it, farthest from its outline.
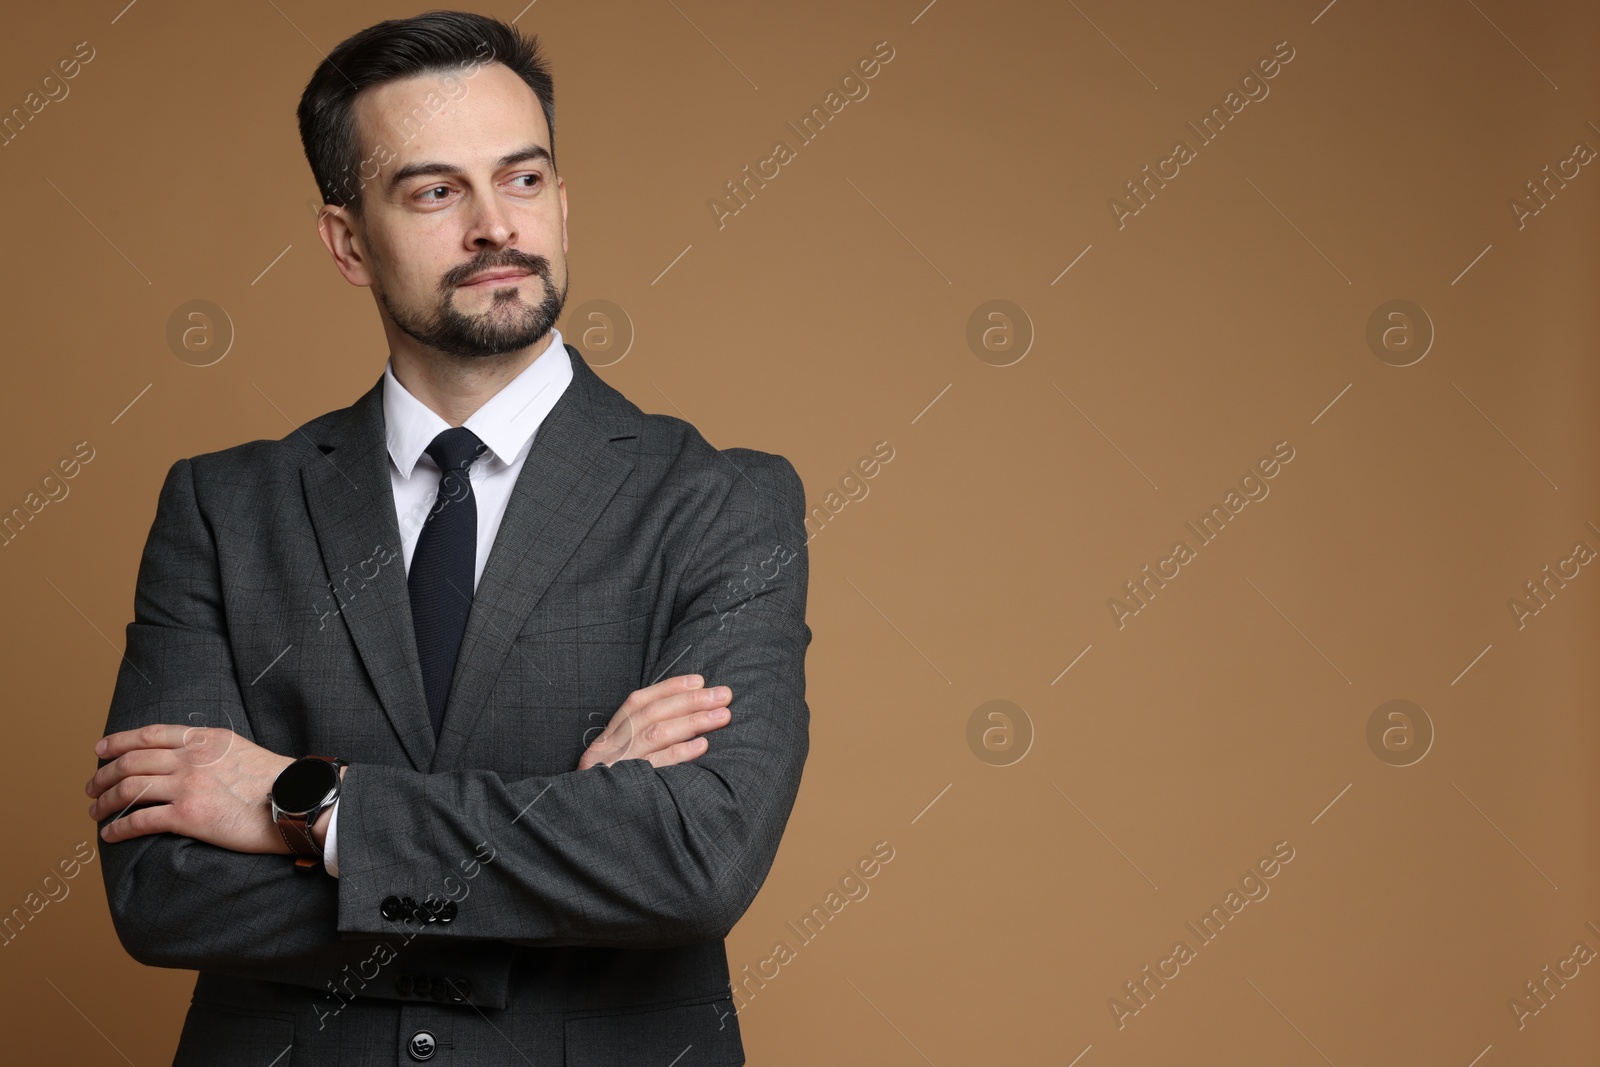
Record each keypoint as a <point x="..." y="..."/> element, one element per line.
<point x="351" y="502"/>
<point x="571" y="472"/>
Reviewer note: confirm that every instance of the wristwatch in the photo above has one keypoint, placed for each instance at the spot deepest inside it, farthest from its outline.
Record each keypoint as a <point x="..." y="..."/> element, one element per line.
<point x="302" y="792"/>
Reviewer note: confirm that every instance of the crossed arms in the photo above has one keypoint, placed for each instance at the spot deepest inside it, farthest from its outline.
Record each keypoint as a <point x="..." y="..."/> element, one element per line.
<point x="619" y="853"/>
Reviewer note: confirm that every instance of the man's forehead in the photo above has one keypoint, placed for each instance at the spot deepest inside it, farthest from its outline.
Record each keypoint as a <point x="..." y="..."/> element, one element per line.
<point x="463" y="121"/>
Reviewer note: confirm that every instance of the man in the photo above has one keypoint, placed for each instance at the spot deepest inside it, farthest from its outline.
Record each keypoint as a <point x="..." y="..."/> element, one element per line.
<point x="462" y="724"/>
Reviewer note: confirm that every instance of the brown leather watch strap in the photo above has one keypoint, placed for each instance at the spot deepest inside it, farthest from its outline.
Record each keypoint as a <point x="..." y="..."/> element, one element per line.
<point x="298" y="837"/>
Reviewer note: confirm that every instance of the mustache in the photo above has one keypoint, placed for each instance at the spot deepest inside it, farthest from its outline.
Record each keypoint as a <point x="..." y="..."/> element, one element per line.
<point x="531" y="262"/>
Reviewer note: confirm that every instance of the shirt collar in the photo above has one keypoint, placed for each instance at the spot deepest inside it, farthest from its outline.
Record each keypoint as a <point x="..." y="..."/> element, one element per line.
<point x="506" y="422"/>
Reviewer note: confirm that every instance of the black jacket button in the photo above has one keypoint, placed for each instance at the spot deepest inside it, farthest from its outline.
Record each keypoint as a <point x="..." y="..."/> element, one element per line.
<point x="423" y="985"/>
<point x="410" y="907"/>
<point x="448" y="912"/>
<point x="402" y="984"/>
<point x="422" y="1046"/>
<point x="391" y="908"/>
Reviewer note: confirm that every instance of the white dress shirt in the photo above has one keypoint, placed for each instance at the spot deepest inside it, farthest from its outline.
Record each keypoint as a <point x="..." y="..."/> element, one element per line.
<point x="506" y="423"/>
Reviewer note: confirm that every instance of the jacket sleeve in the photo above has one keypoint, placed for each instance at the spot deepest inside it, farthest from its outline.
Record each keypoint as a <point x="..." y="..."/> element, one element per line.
<point x="179" y="902"/>
<point x="626" y="854"/>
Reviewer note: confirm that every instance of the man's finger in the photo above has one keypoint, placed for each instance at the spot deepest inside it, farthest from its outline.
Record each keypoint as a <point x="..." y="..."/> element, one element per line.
<point x="640" y="698"/>
<point x="685" y="704"/>
<point x="682" y="752"/>
<point x="651" y="720"/>
<point x="667" y="733"/>
<point x="664" y="735"/>
<point x="135" y="789"/>
<point x="158" y="818"/>
<point x="155" y="735"/>
<point x="135" y="761"/>
<point x="649" y="705"/>
<point x="658" y="737"/>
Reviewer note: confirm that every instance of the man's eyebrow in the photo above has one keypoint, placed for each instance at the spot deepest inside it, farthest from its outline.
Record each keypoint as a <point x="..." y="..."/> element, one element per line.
<point x="427" y="167"/>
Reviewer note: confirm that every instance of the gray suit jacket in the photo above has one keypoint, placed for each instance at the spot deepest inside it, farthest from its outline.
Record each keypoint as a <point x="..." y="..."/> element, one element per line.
<point x="587" y="909"/>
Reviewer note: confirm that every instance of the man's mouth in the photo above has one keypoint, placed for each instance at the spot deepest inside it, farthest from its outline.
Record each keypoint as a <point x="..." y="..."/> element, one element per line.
<point x="490" y="277"/>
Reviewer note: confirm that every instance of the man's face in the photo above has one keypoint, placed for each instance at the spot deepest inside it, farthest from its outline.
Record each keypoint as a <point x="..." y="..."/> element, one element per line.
<point x="471" y="192"/>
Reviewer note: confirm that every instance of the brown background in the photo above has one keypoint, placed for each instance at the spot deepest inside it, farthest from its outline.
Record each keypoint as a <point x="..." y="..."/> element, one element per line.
<point x="832" y="313"/>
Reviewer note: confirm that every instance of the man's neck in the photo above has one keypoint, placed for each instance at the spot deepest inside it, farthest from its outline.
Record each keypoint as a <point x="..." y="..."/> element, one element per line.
<point x="454" y="387"/>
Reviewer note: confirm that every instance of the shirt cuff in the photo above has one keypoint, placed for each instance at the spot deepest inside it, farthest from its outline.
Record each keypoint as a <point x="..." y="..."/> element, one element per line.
<point x="330" y="845"/>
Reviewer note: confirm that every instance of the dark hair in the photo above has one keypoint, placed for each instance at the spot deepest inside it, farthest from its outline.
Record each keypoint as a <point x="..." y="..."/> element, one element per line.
<point x="431" y="43"/>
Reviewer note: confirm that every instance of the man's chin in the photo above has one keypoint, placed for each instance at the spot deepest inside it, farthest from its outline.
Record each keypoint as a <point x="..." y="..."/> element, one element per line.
<point x="503" y="346"/>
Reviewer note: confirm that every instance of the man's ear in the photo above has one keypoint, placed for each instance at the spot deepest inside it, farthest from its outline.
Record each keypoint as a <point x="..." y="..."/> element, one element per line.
<point x="342" y="235"/>
<point x="561" y="186"/>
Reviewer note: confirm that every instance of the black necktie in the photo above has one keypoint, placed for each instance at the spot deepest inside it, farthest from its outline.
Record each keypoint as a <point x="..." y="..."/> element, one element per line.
<point x="443" y="566"/>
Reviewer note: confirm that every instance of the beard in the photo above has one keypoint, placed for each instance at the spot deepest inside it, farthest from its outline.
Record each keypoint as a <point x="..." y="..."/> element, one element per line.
<point x="507" y="325"/>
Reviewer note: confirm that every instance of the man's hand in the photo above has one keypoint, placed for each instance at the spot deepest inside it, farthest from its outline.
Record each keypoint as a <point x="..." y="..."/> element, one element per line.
<point x="661" y="723"/>
<point x="205" y="782"/>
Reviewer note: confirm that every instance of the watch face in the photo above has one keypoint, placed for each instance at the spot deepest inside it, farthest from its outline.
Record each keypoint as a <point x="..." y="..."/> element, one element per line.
<point x="303" y="785"/>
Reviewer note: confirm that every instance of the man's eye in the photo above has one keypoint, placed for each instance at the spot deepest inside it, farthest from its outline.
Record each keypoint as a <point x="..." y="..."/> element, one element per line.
<point x="435" y="189"/>
<point x="535" y="178"/>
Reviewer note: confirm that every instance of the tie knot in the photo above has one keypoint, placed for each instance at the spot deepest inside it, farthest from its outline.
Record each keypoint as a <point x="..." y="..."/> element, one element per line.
<point x="455" y="449"/>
